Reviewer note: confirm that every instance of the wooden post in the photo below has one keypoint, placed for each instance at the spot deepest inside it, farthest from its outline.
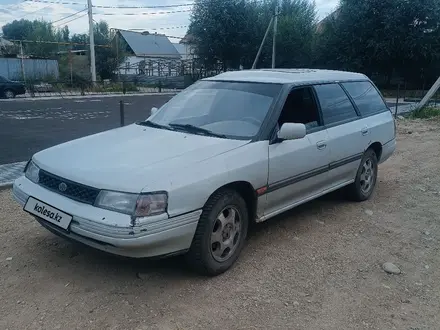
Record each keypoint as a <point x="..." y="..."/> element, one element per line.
<point x="121" y="112"/>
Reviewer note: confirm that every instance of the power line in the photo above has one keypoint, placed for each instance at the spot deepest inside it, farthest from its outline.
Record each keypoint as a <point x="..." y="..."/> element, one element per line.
<point x="62" y="19"/>
<point x="146" y="7"/>
<point x="56" y="2"/>
<point x="162" y="35"/>
<point x="58" y="43"/>
<point x="152" y="13"/>
<point x="161" y="28"/>
<point x="33" y="12"/>
<point x="71" y="20"/>
<point x="109" y="7"/>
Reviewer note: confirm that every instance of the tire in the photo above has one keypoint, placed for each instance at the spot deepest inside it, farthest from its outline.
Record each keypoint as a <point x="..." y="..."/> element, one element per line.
<point x="358" y="191"/>
<point x="9" y="94"/>
<point x="219" y="229"/>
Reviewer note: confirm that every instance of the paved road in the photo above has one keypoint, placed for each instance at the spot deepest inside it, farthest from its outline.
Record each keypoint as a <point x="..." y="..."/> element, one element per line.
<point x="27" y="126"/>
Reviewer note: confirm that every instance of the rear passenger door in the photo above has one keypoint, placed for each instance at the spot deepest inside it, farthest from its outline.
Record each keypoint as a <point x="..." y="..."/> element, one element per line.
<point x="376" y="117"/>
<point x="347" y="135"/>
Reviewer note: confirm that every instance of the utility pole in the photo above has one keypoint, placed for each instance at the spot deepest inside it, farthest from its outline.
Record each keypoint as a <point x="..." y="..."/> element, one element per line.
<point x="262" y="44"/>
<point x="22" y="62"/>
<point x="71" y="64"/>
<point x="274" y="45"/>
<point x="92" y="42"/>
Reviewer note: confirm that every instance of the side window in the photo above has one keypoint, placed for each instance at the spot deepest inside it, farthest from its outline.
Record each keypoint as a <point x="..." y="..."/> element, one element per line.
<point x="300" y="108"/>
<point x="335" y="104"/>
<point x="366" y="97"/>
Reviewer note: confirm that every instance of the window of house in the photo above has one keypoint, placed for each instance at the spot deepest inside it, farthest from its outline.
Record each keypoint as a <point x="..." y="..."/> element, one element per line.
<point x="335" y="104"/>
<point x="366" y="97"/>
<point x="300" y="108"/>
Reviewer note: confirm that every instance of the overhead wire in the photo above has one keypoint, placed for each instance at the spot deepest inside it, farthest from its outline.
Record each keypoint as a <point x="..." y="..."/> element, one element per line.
<point x="160" y="28"/>
<point x="145" y="13"/>
<point x="76" y="18"/>
<point x="62" y="19"/>
<point x="31" y="13"/>
<point x="115" y="7"/>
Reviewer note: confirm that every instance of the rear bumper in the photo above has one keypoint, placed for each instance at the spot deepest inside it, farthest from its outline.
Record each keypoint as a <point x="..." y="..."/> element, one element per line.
<point x="388" y="150"/>
<point x="152" y="238"/>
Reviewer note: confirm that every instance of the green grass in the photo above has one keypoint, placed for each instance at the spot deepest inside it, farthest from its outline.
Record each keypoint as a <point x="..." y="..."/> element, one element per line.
<point x="426" y="113"/>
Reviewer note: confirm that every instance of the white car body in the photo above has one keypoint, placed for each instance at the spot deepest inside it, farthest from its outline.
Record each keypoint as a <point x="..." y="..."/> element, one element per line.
<point x="190" y="168"/>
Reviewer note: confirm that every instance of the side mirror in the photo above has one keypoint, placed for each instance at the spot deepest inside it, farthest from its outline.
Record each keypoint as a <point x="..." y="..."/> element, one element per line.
<point x="153" y="110"/>
<point x="291" y="131"/>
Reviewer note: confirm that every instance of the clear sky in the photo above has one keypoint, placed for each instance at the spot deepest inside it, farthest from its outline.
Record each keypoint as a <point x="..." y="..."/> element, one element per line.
<point x="156" y="18"/>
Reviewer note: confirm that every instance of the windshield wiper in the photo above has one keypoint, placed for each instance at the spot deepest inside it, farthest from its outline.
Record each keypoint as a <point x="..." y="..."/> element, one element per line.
<point x="197" y="130"/>
<point x="155" y="125"/>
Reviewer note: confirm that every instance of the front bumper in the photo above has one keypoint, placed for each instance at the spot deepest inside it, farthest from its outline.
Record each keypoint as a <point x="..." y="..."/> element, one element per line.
<point x="111" y="231"/>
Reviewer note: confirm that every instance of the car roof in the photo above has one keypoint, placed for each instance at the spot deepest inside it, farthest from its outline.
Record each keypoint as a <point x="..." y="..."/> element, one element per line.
<point x="288" y="76"/>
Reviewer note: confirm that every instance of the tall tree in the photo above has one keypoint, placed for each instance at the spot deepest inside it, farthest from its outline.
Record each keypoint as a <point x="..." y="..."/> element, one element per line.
<point x="39" y="37"/>
<point x="106" y="57"/>
<point x="230" y="31"/>
<point x="385" y="37"/>
<point x="219" y="27"/>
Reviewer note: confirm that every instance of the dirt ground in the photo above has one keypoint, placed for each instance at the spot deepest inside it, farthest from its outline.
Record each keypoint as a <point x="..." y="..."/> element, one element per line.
<point x="317" y="267"/>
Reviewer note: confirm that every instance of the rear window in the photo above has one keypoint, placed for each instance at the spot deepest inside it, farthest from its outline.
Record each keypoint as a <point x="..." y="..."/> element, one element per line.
<point x="335" y="105"/>
<point x="366" y="97"/>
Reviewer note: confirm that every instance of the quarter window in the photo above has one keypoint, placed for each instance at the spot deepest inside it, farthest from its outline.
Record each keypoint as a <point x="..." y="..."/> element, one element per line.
<point x="366" y="97"/>
<point x="335" y="104"/>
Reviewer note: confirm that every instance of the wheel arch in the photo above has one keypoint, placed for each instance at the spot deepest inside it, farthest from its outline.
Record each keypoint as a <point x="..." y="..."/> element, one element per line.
<point x="247" y="192"/>
<point x="377" y="148"/>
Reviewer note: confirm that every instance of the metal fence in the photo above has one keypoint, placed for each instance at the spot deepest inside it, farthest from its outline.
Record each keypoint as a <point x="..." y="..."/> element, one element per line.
<point x="86" y="88"/>
<point x="29" y="69"/>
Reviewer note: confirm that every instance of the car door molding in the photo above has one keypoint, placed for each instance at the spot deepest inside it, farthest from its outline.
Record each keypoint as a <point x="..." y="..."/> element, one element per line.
<point x="346" y="161"/>
<point x="309" y="174"/>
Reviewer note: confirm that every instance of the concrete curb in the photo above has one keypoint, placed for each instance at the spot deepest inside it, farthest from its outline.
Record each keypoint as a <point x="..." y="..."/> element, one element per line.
<point x="6" y="185"/>
<point x="9" y="173"/>
<point x="92" y="96"/>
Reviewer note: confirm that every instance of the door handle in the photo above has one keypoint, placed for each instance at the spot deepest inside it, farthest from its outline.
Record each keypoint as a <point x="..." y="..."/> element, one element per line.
<point x="321" y="145"/>
<point x="365" y="131"/>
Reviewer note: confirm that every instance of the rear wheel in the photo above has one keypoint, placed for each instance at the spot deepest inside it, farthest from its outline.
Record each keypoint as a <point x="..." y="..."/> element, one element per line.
<point x="9" y="94"/>
<point x="220" y="234"/>
<point x="366" y="178"/>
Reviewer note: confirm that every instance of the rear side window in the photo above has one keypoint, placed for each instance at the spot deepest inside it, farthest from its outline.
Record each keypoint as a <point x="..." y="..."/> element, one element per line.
<point x="335" y="104"/>
<point x="366" y="97"/>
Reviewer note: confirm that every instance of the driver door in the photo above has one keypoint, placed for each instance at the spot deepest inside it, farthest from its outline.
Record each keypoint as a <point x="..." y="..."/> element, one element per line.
<point x="298" y="169"/>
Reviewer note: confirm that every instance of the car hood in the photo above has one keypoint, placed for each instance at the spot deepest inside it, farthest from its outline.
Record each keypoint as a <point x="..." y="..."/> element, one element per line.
<point x="128" y="158"/>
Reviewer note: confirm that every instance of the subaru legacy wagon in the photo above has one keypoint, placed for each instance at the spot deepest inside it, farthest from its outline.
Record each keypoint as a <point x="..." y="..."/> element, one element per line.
<point x="233" y="149"/>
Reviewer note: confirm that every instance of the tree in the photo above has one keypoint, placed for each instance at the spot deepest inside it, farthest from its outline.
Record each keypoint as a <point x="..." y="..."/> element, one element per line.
<point x="219" y="28"/>
<point x="230" y="31"/>
<point x="105" y="53"/>
<point x="383" y="37"/>
<point x="39" y="37"/>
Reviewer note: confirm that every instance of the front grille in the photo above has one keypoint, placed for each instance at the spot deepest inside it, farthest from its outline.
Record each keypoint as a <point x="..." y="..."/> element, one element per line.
<point x="76" y="191"/>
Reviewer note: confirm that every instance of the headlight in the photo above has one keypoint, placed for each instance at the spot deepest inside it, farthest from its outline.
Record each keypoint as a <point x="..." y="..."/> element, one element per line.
<point x="32" y="172"/>
<point x="142" y="205"/>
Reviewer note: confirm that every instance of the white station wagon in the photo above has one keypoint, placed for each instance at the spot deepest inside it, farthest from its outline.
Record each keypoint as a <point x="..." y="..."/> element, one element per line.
<point x="229" y="150"/>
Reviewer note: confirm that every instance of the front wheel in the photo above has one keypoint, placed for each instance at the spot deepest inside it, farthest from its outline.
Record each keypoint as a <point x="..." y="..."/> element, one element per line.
<point x="363" y="186"/>
<point x="9" y="94"/>
<point x="220" y="234"/>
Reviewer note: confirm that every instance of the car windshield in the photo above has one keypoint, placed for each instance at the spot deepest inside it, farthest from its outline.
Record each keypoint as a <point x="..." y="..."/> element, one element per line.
<point x="224" y="109"/>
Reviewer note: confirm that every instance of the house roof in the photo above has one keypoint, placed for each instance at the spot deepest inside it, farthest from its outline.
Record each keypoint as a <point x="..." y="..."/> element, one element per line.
<point x="150" y="44"/>
<point x="288" y="76"/>
<point x="5" y="43"/>
<point x="180" y="48"/>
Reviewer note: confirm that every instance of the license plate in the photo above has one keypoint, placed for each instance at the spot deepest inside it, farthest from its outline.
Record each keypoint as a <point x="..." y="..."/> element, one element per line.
<point x="48" y="213"/>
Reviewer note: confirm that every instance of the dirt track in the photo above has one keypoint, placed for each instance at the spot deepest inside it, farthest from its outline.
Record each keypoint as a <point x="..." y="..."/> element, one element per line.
<point x="317" y="267"/>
